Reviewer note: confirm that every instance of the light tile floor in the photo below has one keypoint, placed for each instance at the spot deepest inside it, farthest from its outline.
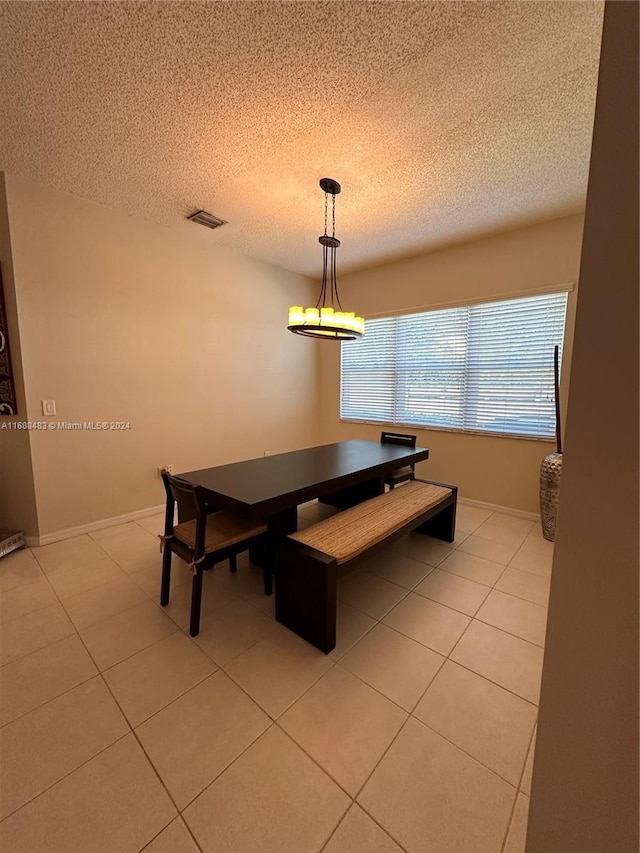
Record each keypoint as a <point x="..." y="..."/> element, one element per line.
<point x="118" y="732"/>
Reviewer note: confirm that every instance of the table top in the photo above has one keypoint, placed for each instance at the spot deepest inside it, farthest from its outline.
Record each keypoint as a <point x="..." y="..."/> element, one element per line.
<point x="270" y="483"/>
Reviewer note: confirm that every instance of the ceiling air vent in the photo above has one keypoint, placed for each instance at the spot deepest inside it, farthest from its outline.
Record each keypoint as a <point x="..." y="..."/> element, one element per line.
<point x="208" y="219"/>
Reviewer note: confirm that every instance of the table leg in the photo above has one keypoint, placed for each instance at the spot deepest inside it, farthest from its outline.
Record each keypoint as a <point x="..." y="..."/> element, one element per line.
<point x="278" y="525"/>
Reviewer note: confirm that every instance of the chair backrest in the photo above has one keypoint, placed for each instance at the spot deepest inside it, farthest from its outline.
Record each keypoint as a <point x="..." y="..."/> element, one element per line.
<point x="190" y="501"/>
<point x="398" y="438"/>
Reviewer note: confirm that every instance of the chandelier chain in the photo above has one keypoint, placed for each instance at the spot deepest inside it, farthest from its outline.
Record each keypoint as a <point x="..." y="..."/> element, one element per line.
<point x="325" y="212"/>
<point x="334" y="215"/>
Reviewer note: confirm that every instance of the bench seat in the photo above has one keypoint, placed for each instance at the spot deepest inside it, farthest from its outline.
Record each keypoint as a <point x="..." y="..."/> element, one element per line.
<point x="354" y="531"/>
<point x="309" y="562"/>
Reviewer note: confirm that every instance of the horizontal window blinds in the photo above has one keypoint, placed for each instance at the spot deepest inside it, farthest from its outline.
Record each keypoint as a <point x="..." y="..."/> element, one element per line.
<point x="484" y="367"/>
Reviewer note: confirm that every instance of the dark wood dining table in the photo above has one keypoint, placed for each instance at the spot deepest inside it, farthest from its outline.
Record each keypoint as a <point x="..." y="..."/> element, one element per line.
<point x="272" y="487"/>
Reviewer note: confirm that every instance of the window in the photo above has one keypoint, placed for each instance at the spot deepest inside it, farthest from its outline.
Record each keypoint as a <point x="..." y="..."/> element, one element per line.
<point x="476" y="368"/>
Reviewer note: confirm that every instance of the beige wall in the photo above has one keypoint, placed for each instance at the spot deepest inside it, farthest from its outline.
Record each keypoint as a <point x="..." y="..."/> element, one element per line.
<point x="501" y="471"/>
<point x="584" y="796"/>
<point x="17" y="494"/>
<point x="124" y="320"/>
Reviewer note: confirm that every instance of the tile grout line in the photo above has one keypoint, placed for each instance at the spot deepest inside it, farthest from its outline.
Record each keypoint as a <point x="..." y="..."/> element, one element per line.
<point x="131" y="731"/>
<point x="519" y="789"/>
<point x="65" y="775"/>
<point x="274" y="721"/>
<point x="410" y="716"/>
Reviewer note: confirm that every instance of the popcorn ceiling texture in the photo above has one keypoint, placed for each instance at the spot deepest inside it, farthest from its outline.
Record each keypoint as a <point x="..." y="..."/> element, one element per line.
<point x="441" y="120"/>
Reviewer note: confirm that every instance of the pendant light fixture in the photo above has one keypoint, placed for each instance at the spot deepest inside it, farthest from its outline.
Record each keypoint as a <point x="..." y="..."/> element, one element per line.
<point x="328" y="320"/>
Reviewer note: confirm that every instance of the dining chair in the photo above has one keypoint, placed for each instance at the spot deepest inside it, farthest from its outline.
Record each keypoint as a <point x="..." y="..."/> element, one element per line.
<point x="209" y="537"/>
<point x="407" y="472"/>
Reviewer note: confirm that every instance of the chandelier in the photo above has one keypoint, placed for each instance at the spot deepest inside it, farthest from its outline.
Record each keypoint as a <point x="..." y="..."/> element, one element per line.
<point x="328" y="320"/>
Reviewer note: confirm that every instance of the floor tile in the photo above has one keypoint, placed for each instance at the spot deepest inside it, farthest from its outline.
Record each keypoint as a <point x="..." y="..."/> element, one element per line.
<point x="432" y="797"/>
<point x="429" y="623"/>
<point x="93" y="575"/>
<point x="498" y="533"/>
<point x="459" y="538"/>
<point x="484" y="720"/>
<point x="525" y="585"/>
<point x="231" y="628"/>
<point x="276" y="671"/>
<point x="351" y="626"/>
<point x="507" y="660"/>
<point x="44" y="745"/>
<point x="272" y="799"/>
<point x="497" y="552"/>
<point x="469" y="518"/>
<point x="396" y="666"/>
<point x="153" y="524"/>
<point x="149" y="578"/>
<point x="34" y="631"/>
<point x="39" y="677"/>
<point x="527" y="774"/>
<point x="345" y="726"/>
<point x="77" y="552"/>
<point x="473" y="568"/>
<point x="179" y="607"/>
<point x="117" y="531"/>
<point x="193" y="739"/>
<point x="516" y="616"/>
<point x="97" y="808"/>
<point x="247" y="583"/>
<point x="148" y="681"/>
<point x="25" y="599"/>
<point x="96" y="605"/>
<point x="359" y="834"/>
<point x="537" y="563"/>
<point x="511" y="522"/>
<point x="176" y="838"/>
<point x="517" y="836"/>
<point x="129" y="632"/>
<point x="453" y="591"/>
<point x="397" y="568"/>
<point x="133" y="549"/>
<point x="370" y="594"/>
<point x="536" y="542"/>
<point x="423" y="548"/>
<point x="124" y="537"/>
<point x="17" y="568"/>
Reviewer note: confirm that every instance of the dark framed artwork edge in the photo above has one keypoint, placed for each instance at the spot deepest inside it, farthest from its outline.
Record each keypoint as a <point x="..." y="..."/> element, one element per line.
<point x="8" y="404"/>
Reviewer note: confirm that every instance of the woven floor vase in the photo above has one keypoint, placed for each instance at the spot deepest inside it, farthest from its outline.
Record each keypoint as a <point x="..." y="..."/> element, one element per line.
<point x="550" y="471"/>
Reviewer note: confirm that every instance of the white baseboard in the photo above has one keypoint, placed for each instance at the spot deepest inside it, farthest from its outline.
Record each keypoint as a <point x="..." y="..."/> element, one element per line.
<point x="505" y="510"/>
<point x="70" y="532"/>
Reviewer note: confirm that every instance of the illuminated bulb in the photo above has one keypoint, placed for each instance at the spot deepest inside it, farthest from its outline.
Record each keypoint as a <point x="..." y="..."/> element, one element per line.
<point x="312" y="317"/>
<point x="327" y="316"/>
<point x="296" y="315"/>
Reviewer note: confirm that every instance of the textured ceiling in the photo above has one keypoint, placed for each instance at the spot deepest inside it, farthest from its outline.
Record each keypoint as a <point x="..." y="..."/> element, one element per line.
<point x="442" y="120"/>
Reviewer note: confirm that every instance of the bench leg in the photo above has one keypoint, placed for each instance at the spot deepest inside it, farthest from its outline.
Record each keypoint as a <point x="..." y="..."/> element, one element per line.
<point x="306" y="596"/>
<point x="441" y="526"/>
<point x="233" y="564"/>
<point x="267" y="579"/>
<point x="166" y="574"/>
<point x="196" y="601"/>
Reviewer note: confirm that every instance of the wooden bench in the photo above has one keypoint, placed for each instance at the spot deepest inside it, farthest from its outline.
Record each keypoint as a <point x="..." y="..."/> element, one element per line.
<point x="310" y="562"/>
